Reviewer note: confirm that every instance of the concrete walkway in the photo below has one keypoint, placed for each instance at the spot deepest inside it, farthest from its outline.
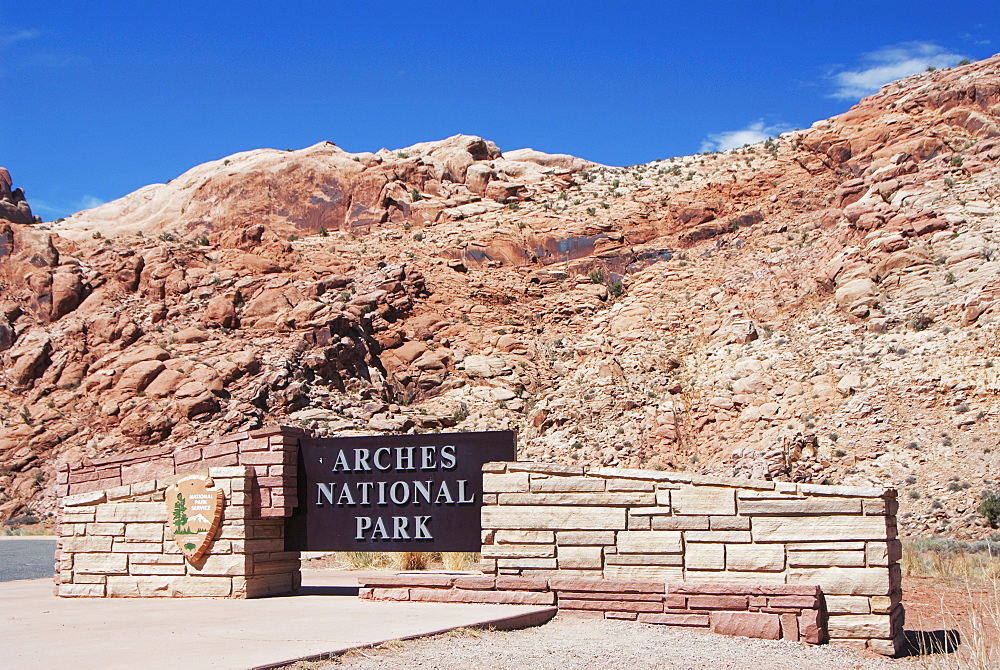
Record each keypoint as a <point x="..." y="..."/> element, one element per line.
<point x="39" y="630"/>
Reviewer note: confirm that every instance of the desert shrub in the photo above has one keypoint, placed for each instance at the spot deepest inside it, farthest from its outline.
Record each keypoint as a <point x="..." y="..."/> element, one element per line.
<point x="410" y="560"/>
<point x="26" y="519"/>
<point x="460" y="561"/>
<point x="366" y="560"/>
<point x="920" y="321"/>
<point x="990" y="507"/>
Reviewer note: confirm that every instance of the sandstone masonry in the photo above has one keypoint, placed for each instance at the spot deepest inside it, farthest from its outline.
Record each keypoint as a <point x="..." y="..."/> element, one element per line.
<point x="552" y="522"/>
<point x="771" y="612"/>
<point x="115" y="537"/>
<point x="760" y="558"/>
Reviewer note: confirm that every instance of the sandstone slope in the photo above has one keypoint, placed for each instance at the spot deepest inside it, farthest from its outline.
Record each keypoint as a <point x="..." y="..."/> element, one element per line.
<point x="819" y="307"/>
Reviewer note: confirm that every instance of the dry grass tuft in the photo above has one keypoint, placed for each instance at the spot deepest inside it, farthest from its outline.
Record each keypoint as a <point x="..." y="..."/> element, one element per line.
<point x="973" y="567"/>
<point x="976" y="563"/>
<point x="456" y="561"/>
<point x="410" y="560"/>
<point x="459" y="561"/>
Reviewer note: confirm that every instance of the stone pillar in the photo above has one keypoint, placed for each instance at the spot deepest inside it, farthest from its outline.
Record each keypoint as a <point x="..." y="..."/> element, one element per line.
<point x="116" y="540"/>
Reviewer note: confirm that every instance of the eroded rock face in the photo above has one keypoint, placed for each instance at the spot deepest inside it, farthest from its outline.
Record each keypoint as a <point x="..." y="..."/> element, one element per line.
<point x="13" y="205"/>
<point x="823" y="306"/>
<point x="233" y="201"/>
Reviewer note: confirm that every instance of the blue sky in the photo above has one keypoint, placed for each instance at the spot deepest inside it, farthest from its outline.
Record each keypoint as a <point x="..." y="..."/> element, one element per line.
<point x="101" y="98"/>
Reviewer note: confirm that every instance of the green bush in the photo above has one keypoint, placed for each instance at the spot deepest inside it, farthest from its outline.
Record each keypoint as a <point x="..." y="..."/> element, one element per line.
<point x="920" y="321"/>
<point x="990" y="507"/>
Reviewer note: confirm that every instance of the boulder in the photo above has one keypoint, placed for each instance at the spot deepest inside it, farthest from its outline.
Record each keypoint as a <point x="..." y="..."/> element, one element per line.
<point x="849" y="383"/>
<point x="409" y="351"/>
<point x="501" y="191"/>
<point x="390" y="423"/>
<point x="165" y="383"/>
<point x="137" y="377"/>
<point x="221" y="311"/>
<point x="30" y="357"/>
<point x="853" y="291"/>
<point x="439" y="359"/>
<point x="67" y="294"/>
<point x="6" y="335"/>
<point x="483" y="366"/>
<point x="695" y="214"/>
<point x="478" y="176"/>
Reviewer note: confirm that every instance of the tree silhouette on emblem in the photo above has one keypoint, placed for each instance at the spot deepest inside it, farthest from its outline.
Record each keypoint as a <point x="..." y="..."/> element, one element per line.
<point x="180" y="514"/>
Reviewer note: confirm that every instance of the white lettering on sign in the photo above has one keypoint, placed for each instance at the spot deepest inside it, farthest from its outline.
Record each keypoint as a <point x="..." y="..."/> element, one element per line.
<point x="399" y="493"/>
<point x="369" y="530"/>
<point x="396" y="458"/>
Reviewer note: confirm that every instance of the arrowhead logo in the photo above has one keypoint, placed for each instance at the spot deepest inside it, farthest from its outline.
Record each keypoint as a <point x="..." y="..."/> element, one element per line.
<point x="194" y="507"/>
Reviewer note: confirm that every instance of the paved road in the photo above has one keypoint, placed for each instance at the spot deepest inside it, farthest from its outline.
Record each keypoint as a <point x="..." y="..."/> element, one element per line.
<point x="26" y="558"/>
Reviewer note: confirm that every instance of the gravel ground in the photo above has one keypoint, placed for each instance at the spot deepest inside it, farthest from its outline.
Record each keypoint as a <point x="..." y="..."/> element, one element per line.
<point x="582" y="644"/>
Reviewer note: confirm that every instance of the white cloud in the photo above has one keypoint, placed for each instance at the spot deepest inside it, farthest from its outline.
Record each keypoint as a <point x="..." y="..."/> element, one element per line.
<point x="887" y="64"/>
<point x="13" y="37"/>
<point x="51" y="210"/>
<point x="90" y="202"/>
<point x="734" y="139"/>
<point x="47" y="210"/>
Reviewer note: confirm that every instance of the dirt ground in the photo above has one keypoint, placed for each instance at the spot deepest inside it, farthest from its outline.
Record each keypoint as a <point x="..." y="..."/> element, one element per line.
<point x="569" y="643"/>
<point x="948" y="607"/>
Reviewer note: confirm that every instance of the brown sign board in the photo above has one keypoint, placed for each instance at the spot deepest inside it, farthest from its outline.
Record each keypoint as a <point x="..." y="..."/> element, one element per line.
<point x="393" y="492"/>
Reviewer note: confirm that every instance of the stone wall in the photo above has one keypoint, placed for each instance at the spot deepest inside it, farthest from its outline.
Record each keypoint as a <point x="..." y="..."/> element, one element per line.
<point x="773" y="612"/>
<point x="713" y="541"/>
<point x="270" y="451"/>
<point x="115" y="540"/>
<point x="548" y="521"/>
<point x="117" y="543"/>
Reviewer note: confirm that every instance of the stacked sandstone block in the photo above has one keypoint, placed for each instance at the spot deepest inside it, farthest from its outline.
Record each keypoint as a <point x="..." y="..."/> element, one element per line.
<point x="769" y="612"/>
<point x="271" y="452"/>
<point x="450" y="588"/>
<point x="548" y="521"/>
<point x="117" y="542"/>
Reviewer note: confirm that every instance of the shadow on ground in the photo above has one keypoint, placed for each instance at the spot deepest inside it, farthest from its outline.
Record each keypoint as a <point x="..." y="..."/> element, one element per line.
<point x="328" y="590"/>
<point x="921" y="642"/>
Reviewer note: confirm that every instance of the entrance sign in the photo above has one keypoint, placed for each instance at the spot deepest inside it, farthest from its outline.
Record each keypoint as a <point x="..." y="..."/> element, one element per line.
<point x="393" y="492"/>
<point x="194" y="508"/>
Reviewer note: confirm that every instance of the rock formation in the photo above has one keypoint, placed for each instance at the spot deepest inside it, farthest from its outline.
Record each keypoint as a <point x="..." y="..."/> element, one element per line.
<point x="13" y="206"/>
<point x="823" y="306"/>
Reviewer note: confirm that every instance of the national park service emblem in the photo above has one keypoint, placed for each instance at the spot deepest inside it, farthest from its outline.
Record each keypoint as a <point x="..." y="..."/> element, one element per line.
<point x="194" y="507"/>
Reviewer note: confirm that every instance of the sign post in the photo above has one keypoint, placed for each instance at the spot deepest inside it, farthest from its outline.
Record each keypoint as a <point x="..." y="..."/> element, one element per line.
<point x="393" y="493"/>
